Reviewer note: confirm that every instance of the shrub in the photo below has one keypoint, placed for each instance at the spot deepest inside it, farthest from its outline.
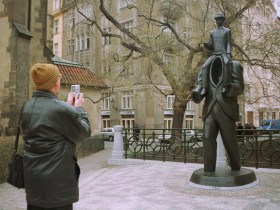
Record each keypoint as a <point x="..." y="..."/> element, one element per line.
<point x="6" y="151"/>
<point x="90" y="146"/>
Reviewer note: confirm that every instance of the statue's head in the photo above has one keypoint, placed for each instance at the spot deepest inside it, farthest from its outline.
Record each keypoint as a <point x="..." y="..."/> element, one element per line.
<point x="220" y="19"/>
<point x="220" y="16"/>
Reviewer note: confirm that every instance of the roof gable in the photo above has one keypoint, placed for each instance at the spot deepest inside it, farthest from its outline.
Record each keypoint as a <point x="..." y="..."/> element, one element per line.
<point x="79" y="75"/>
<point x="74" y="73"/>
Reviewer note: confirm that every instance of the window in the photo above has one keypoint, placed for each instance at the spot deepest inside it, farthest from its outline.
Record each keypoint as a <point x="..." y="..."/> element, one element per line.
<point x="77" y="43"/>
<point x="250" y="117"/>
<point x="89" y="11"/>
<point x="56" y="4"/>
<point x="190" y="105"/>
<point x="128" y="25"/>
<point x="187" y="33"/>
<point x="108" y="5"/>
<point x="56" y="26"/>
<point x="167" y="30"/>
<point x="87" y="41"/>
<point x="107" y="39"/>
<point x="106" y="68"/>
<point x="169" y="61"/>
<point x="127" y="122"/>
<point x="106" y="101"/>
<point x="83" y="11"/>
<point x="82" y="42"/>
<point x="261" y="118"/>
<point x="69" y="33"/>
<point x="55" y="49"/>
<point x="70" y="46"/>
<point x="273" y="115"/>
<point x="125" y="3"/>
<point x="169" y="102"/>
<point x="127" y="100"/>
<point x="268" y="115"/>
<point x="189" y="122"/>
<point x="71" y="19"/>
<point x="105" y="122"/>
<point x="168" y="123"/>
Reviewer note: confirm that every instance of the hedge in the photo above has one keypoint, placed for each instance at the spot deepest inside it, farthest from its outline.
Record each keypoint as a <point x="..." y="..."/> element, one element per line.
<point x="89" y="146"/>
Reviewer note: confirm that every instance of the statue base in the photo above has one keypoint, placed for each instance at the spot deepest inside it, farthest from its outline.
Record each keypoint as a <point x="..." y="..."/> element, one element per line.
<point x="224" y="178"/>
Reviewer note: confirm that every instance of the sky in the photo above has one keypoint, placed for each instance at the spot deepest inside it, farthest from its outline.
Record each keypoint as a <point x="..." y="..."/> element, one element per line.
<point x="277" y="6"/>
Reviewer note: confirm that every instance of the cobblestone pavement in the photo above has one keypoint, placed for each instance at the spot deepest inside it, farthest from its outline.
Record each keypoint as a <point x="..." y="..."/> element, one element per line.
<point x="155" y="186"/>
<point x="14" y="199"/>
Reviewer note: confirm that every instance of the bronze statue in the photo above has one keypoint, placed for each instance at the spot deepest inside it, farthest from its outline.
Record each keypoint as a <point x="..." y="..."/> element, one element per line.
<point x="220" y="81"/>
<point x="220" y="44"/>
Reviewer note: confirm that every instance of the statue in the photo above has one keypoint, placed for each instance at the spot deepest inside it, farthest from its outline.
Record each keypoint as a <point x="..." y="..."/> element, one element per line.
<point x="220" y="81"/>
<point x="220" y="44"/>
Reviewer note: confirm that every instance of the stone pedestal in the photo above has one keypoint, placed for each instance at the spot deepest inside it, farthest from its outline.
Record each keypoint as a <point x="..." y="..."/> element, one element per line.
<point x="224" y="178"/>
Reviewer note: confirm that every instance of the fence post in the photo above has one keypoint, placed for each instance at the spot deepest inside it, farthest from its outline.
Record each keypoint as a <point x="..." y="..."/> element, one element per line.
<point x="117" y="151"/>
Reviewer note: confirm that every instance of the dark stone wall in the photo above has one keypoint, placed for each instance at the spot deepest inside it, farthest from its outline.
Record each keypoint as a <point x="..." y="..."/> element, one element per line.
<point x="92" y="145"/>
<point x="28" y="22"/>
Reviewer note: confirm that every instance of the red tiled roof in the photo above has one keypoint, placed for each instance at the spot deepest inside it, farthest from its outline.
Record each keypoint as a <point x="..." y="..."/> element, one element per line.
<point x="79" y="75"/>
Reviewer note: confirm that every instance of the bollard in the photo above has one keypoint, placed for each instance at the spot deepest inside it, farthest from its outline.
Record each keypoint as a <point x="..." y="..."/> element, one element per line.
<point x="221" y="153"/>
<point x="117" y="151"/>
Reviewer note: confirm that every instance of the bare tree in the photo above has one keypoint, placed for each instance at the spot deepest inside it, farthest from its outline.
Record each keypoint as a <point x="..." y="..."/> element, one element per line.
<point x="178" y="28"/>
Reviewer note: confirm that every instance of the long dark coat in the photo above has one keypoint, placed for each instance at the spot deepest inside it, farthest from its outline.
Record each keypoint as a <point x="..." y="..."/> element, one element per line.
<point x="50" y="130"/>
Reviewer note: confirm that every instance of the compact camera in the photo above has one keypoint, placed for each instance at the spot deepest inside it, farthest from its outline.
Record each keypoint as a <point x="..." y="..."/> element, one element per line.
<point x="75" y="89"/>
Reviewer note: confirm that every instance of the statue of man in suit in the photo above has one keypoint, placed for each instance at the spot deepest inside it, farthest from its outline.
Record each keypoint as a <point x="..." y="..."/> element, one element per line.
<point x="220" y="44"/>
<point x="221" y="109"/>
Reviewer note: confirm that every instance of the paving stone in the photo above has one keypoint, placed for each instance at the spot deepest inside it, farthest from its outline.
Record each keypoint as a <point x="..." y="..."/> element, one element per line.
<point x="154" y="185"/>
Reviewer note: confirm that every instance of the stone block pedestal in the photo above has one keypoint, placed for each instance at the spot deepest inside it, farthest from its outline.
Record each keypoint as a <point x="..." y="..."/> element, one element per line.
<point x="224" y="178"/>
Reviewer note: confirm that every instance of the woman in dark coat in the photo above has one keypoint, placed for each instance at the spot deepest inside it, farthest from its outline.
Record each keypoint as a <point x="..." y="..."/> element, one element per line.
<point x="51" y="128"/>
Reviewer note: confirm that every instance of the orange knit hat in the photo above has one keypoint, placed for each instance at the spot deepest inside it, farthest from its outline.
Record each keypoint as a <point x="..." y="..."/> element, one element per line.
<point x="44" y="75"/>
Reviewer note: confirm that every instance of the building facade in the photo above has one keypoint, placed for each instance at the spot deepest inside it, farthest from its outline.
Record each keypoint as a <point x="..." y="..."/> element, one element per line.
<point x="262" y="90"/>
<point x="134" y="98"/>
<point x="25" y="40"/>
<point x="57" y="31"/>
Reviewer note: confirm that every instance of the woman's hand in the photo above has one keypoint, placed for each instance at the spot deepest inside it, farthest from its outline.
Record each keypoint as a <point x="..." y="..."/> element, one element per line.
<point x="79" y="100"/>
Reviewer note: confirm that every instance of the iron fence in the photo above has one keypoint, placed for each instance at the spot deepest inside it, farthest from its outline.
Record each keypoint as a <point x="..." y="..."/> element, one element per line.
<point x="258" y="148"/>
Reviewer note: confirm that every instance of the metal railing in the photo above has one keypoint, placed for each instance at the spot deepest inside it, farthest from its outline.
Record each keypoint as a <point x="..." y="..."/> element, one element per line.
<point x="258" y="148"/>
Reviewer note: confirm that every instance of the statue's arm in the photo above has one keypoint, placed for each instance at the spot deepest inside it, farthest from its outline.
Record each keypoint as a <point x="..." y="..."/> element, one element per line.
<point x="229" y="44"/>
<point x="196" y="93"/>
<point x="199" y="77"/>
<point x="209" y="45"/>
<point x="237" y="86"/>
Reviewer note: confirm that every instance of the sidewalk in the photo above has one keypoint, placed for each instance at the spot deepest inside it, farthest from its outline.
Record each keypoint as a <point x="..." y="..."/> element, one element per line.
<point x="155" y="185"/>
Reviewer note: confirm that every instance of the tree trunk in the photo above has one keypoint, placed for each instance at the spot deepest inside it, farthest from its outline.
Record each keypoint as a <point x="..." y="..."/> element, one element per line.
<point x="179" y="109"/>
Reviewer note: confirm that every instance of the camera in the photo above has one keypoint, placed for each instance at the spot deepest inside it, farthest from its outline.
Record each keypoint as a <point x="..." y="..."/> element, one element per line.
<point x="75" y="89"/>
